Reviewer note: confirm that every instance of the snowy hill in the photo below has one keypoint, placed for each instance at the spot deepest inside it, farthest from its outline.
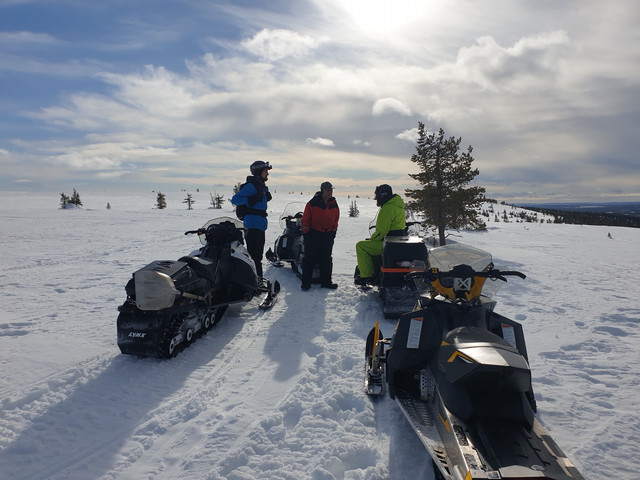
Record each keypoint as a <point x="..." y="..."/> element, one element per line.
<point x="278" y="394"/>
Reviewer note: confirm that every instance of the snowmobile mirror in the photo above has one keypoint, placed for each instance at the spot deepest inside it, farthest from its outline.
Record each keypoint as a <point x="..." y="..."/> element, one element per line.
<point x="154" y="290"/>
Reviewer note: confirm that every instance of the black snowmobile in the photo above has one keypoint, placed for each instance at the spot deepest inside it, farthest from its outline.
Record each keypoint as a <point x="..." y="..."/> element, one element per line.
<point x="399" y="251"/>
<point x="289" y="247"/>
<point x="460" y="374"/>
<point x="171" y="303"/>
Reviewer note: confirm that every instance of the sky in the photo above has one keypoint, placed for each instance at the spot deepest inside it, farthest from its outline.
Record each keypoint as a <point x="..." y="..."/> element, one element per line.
<point x="139" y="95"/>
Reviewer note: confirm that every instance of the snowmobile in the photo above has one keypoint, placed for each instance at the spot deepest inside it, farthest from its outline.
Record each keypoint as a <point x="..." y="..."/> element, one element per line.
<point x="459" y="372"/>
<point x="399" y="251"/>
<point x="289" y="247"/>
<point x="171" y="303"/>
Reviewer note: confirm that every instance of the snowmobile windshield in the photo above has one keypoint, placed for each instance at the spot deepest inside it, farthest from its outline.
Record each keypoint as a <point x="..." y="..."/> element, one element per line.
<point x="216" y="221"/>
<point x="448" y="256"/>
<point x="292" y="213"/>
<point x="372" y="223"/>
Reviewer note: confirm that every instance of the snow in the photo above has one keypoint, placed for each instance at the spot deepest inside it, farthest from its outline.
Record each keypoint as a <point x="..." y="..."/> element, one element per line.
<point x="278" y="394"/>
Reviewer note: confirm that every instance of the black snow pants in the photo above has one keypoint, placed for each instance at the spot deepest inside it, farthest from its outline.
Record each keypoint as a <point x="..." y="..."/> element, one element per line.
<point x="318" y="247"/>
<point x="255" y="247"/>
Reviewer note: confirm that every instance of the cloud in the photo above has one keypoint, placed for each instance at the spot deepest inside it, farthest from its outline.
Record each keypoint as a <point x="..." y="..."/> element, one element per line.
<point x="530" y="61"/>
<point x="389" y="105"/>
<point x="500" y="80"/>
<point x="24" y="38"/>
<point x="323" y="142"/>
<point x="273" y="45"/>
<point x="410" y="135"/>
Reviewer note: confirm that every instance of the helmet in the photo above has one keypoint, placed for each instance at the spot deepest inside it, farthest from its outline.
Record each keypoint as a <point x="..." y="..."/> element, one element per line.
<point x="382" y="194"/>
<point x="258" y="166"/>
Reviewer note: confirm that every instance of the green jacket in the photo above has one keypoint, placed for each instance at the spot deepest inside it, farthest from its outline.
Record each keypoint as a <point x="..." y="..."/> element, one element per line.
<point x="390" y="217"/>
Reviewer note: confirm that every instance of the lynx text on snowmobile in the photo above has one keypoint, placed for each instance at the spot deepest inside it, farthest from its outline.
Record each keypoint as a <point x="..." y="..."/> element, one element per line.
<point x="171" y="303"/>
<point x="459" y="372"/>
<point x="399" y="251"/>
<point x="289" y="247"/>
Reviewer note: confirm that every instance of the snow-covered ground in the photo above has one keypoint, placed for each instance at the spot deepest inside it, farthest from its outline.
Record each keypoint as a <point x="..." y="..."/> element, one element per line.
<point x="278" y="394"/>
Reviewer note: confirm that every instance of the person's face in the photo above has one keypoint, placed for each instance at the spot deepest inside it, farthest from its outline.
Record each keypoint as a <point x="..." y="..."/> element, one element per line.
<point x="265" y="173"/>
<point x="326" y="193"/>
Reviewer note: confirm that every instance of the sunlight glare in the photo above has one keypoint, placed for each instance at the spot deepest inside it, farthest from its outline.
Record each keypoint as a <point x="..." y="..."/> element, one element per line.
<point x="384" y="15"/>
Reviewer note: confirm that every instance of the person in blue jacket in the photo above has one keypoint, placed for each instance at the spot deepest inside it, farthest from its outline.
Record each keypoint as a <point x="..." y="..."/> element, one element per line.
<point x="251" y="205"/>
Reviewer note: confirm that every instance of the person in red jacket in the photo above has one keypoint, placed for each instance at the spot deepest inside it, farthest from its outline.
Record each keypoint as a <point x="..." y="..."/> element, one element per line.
<point x="319" y="227"/>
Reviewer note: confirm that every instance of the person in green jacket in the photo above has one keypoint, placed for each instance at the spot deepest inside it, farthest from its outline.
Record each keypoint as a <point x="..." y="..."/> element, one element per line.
<point x="391" y="218"/>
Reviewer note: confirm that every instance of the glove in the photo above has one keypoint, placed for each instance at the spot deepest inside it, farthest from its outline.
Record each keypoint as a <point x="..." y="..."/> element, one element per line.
<point x="255" y="198"/>
<point x="268" y="195"/>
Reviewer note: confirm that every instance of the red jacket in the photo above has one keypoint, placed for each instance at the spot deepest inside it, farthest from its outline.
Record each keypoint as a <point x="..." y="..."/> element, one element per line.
<point x="320" y="216"/>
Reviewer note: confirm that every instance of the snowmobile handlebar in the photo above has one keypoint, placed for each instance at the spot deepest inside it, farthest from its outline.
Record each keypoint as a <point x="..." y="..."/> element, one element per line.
<point x="465" y="271"/>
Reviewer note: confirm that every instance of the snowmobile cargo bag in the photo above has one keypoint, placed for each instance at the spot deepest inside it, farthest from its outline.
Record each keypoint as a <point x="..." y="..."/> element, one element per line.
<point x="398" y="252"/>
<point x="174" y="269"/>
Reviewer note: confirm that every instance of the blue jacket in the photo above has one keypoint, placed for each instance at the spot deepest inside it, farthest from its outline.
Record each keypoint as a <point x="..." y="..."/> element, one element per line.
<point x="255" y="195"/>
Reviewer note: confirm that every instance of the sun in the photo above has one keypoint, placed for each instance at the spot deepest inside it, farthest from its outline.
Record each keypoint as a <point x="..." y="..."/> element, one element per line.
<point x="384" y="15"/>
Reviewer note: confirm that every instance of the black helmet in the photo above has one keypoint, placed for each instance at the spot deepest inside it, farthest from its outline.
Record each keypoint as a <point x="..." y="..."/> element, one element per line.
<point x="258" y="166"/>
<point x="382" y="194"/>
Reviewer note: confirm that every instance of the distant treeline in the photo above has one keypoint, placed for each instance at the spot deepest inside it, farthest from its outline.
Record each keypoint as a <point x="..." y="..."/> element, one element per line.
<point x="589" y="218"/>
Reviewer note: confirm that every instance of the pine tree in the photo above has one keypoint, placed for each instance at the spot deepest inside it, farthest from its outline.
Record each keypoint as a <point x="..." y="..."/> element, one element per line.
<point x="217" y="200"/>
<point x="64" y="200"/>
<point x="189" y="201"/>
<point x="353" y="209"/>
<point x="75" y="198"/>
<point x="444" y="199"/>
<point x="161" y="201"/>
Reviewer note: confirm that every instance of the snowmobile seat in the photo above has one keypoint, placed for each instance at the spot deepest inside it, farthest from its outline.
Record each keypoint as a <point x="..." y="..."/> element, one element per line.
<point x="417" y="337"/>
<point x="203" y="267"/>
<point x="472" y="358"/>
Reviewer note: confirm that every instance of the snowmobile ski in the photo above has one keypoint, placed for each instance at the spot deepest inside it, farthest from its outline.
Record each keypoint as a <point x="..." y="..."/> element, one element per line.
<point x="270" y="295"/>
<point x="374" y="369"/>
<point x="273" y="259"/>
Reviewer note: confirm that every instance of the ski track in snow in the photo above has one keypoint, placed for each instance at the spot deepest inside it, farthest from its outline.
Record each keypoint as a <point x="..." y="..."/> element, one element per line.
<point x="278" y="394"/>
